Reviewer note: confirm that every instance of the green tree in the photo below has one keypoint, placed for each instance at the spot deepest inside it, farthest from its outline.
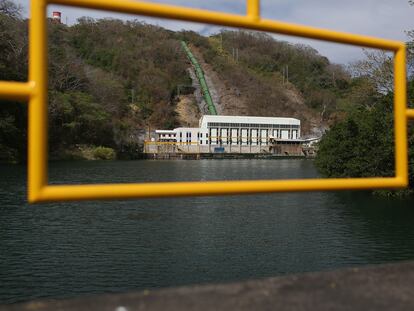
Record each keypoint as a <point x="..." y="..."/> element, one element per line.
<point x="13" y="66"/>
<point x="361" y="145"/>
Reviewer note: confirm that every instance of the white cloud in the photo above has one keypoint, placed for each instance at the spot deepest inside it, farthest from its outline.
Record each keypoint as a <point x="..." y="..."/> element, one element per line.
<point x="379" y="18"/>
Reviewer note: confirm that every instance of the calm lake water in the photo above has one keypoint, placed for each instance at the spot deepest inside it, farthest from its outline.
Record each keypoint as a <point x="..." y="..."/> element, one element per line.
<point x="72" y="249"/>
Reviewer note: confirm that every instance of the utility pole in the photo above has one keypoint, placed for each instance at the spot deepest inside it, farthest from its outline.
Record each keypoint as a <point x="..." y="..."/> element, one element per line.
<point x="287" y="73"/>
<point x="132" y="96"/>
<point x="235" y="52"/>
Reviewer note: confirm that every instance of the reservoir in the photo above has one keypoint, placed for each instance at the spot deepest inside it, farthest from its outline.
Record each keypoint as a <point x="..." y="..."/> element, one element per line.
<point x="71" y="249"/>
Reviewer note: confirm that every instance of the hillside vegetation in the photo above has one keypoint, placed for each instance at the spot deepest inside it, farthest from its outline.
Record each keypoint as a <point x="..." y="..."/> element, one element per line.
<point x="110" y="80"/>
<point x="361" y="144"/>
<point x="254" y="81"/>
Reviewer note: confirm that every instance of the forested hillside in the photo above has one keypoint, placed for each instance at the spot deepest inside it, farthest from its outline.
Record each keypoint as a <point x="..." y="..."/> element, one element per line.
<point x="109" y="80"/>
<point x="269" y="77"/>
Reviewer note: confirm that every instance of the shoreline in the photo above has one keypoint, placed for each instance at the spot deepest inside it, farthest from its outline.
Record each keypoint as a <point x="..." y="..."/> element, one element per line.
<point x="220" y="156"/>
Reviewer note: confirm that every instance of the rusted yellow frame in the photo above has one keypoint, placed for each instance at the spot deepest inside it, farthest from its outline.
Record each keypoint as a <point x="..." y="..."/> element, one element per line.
<point x="35" y="91"/>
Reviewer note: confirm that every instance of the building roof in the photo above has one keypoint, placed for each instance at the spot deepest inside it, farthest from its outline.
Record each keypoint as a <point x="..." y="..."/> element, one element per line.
<point x="178" y="129"/>
<point x="165" y="132"/>
<point x="187" y="129"/>
<point x="249" y="119"/>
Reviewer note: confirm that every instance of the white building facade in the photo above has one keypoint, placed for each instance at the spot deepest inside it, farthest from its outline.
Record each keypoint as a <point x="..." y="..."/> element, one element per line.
<point x="233" y="131"/>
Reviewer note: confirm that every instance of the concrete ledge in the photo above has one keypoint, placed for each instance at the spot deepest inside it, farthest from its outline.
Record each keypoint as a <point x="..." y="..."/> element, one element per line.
<point x="384" y="287"/>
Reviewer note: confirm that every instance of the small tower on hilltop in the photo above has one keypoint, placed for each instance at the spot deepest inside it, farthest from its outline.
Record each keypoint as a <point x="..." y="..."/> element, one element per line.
<point x="57" y="17"/>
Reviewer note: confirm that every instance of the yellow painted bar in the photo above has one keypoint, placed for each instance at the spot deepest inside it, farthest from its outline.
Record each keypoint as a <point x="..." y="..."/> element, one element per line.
<point x="37" y="157"/>
<point x="410" y="113"/>
<point x="253" y="9"/>
<point x="149" y="190"/>
<point x="400" y="110"/>
<point x="19" y="91"/>
<point x="224" y="19"/>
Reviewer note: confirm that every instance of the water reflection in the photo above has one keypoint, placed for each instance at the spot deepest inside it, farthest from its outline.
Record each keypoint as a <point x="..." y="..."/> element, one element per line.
<point x="69" y="249"/>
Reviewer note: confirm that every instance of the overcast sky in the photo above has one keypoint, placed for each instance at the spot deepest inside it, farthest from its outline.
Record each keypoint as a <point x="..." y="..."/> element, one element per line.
<point x="381" y="18"/>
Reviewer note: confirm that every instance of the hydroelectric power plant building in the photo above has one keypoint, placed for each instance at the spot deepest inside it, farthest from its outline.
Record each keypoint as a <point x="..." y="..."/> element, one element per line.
<point x="230" y="135"/>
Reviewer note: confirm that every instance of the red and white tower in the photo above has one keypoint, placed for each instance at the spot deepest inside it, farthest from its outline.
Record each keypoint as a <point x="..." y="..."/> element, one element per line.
<point x="57" y="17"/>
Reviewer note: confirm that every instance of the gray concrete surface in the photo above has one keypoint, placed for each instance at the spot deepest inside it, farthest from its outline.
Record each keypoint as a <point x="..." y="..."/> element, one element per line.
<point x="384" y="287"/>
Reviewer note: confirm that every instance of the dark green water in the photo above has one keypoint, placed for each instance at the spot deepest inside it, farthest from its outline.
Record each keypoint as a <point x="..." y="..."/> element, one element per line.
<point x="72" y="249"/>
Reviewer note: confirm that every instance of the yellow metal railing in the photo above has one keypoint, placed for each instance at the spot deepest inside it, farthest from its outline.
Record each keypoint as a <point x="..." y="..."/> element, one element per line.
<point x="35" y="92"/>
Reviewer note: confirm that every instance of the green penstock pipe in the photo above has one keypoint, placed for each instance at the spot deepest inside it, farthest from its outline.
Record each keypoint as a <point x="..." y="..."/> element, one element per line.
<point x="201" y="78"/>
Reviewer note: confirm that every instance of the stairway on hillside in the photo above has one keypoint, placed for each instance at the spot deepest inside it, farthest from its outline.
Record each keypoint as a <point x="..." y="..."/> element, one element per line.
<point x="202" y="105"/>
<point x="202" y="83"/>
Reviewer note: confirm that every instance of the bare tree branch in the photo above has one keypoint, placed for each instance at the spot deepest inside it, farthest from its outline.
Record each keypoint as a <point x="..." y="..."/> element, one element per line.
<point x="10" y="8"/>
<point x="378" y="68"/>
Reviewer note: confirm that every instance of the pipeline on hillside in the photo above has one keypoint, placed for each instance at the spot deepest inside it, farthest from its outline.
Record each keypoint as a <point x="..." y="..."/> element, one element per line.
<point x="200" y="76"/>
